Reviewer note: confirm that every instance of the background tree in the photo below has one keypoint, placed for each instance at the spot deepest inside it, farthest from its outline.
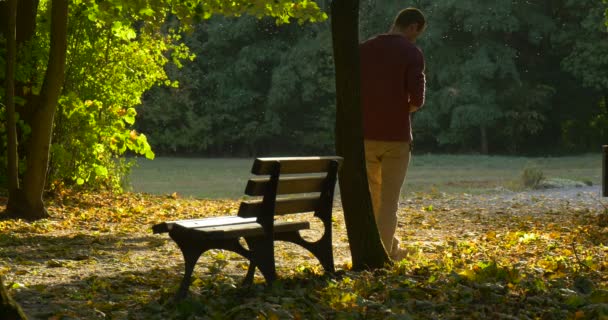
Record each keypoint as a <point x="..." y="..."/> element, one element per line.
<point x="508" y="84"/>
<point x="240" y="96"/>
<point x="11" y="62"/>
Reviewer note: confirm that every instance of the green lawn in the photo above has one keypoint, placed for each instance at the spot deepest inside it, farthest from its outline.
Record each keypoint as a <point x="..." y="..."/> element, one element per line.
<point x="225" y="178"/>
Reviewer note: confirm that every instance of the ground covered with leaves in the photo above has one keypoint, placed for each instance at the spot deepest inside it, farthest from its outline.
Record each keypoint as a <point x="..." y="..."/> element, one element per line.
<point x="526" y="255"/>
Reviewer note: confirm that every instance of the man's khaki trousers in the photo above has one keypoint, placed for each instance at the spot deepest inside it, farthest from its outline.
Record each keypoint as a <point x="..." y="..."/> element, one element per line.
<point x="387" y="163"/>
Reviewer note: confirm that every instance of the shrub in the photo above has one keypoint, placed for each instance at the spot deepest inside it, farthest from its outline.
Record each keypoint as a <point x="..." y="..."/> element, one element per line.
<point x="532" y="176"/>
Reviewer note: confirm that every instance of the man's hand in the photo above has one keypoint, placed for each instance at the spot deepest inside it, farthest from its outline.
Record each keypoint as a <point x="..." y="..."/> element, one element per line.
<point x="413" y="108"/>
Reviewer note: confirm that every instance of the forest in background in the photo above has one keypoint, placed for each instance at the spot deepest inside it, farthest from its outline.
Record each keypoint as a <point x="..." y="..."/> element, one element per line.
<point x="516" y="77"/>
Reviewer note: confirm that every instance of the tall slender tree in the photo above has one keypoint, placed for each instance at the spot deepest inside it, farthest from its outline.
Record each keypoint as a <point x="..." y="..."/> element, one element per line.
<point x="9" y="98"/>
<point x="8" y="308"/>
<point x="26" y="202"/>
<point x="363" y="237"/>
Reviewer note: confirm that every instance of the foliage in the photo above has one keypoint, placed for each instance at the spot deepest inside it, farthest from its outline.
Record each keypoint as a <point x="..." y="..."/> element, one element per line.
<point x="241" y="95"/>
<point x="508" y="77"/>
<point x="469" y="257"/>
<point x="116" y="52"/>
<point x="108" y="74"/>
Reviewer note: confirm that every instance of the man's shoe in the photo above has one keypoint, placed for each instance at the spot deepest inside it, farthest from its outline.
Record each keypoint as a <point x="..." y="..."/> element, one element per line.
<point x="398" y="254"/>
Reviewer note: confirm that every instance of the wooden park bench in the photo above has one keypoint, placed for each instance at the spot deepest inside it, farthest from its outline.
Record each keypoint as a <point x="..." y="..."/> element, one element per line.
<point x="304" y="184"/>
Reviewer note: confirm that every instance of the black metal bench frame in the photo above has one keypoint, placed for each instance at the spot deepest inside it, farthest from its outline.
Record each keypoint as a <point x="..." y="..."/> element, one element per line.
<point x="255" y="221"/>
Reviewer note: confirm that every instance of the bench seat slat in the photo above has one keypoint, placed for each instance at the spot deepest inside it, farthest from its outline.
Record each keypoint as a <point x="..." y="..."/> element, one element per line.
<point x="282" y="206"/>
<point x="167" y="226"/>
<point x="241" y="230"/>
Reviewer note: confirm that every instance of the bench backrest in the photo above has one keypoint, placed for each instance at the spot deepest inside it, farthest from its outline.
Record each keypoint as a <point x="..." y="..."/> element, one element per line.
<point x="291" y="185"/>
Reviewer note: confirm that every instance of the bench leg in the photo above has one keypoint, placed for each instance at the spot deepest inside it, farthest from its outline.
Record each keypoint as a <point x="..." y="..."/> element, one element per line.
<point x="262" y="257"/>
<point x="191" y="255"/>
<point x="248" y="280"/>
<point x="322" y="249"/>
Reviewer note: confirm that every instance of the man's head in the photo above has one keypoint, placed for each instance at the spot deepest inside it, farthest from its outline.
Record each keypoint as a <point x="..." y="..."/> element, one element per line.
<point x="410" y="22"/>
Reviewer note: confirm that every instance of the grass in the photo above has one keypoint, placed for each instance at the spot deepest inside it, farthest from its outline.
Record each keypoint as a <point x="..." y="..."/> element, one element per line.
<point x="196" y="177"/>
<point x="225" y="178"/>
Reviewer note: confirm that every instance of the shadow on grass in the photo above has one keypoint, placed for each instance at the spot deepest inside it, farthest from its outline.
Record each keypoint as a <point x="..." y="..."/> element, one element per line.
<point x="360" y="295"/>
<point x="398" y="292"/>
<point x="126" y="294"/>
<point x="39" y="248"/>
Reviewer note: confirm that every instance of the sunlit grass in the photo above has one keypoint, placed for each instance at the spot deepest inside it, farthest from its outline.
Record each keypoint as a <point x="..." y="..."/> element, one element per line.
<point x="225" y="178"/>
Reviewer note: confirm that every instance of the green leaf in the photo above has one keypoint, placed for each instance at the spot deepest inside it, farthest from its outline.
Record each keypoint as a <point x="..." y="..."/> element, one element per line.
<point x="130" y="116"/>
<point x="101" y="171"/>
<point x="146" y="12"/>
<point x="150" y="155"/>
<point x="17" y="285"/>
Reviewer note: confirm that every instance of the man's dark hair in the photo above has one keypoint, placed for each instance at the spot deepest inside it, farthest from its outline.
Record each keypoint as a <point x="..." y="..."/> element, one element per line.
<point x="409" y="16"/>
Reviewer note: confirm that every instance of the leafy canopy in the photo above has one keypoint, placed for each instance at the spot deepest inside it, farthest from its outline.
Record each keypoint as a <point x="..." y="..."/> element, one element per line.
<point x="117" y="51"/>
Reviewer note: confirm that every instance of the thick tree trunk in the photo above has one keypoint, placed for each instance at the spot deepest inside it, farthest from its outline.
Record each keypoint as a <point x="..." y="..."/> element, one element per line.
<point x="29" y="204"/>
<point x="365" y="244"/>
<point x="9" y="309"/>
<point x="484" y="140"/>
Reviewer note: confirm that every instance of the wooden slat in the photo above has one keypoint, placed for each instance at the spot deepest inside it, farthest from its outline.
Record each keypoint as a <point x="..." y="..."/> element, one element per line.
<point x="245" y="229"/>
<point x="294" y="165"/>
<point x="283" y="206"/>
<point x="213" y="222"/>
<point x="167" y="226"/>
<point x="257" y="186"/>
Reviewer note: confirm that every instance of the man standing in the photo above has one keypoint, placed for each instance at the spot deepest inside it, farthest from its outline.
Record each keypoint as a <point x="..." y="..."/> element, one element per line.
<point x="392" y="87"/>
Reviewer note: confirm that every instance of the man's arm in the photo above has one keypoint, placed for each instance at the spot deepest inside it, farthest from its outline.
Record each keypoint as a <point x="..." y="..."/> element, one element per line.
<point x="416" y="81"/>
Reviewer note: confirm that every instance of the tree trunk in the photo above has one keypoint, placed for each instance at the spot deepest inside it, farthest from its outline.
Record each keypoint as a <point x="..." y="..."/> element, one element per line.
<point x="28" y="204"/>
<point x="26" y="29"/>
<point x="11" y="124"/>
<point x="26" y="20"/>
<point x="4" y="12"/>
<point x="365" y="244"/>
<point x="484" y="140"/>
<point x="9" y="309"/>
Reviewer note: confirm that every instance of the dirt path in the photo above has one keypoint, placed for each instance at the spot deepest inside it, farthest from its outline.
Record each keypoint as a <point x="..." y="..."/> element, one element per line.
<point x="589" y="197"/>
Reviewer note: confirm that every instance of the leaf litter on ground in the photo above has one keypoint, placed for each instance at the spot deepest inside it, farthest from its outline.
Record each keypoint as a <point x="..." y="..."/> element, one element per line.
<point x="526" y="255"/>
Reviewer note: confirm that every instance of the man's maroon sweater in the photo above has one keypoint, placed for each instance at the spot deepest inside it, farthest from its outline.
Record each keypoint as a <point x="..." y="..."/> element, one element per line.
<point x="392" y="79"/>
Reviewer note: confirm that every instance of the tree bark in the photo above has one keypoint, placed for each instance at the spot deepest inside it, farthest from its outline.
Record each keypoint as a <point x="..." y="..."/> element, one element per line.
<point x="28" y="204"/>
<point x="26" y="29"/>
<point x="26" y="20"/>
<point x="484" y="140"/>
<point x="11" y="124"/>
<point x="9" y="309"/>
<point x="4" y="12"/>
<point x="365" y="244"/>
